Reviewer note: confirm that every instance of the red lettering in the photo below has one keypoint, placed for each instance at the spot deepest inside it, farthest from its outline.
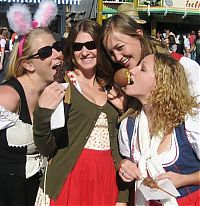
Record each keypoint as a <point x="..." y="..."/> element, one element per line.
<point x="195" y="5"/>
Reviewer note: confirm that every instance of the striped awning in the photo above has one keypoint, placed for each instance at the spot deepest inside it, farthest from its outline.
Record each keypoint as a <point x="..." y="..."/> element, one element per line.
<point x="71" y="2"/>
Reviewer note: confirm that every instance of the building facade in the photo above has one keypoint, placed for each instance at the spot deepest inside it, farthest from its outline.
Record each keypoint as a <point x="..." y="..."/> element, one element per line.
<point x="60" y="21"/>
<point x="180" y="15"/>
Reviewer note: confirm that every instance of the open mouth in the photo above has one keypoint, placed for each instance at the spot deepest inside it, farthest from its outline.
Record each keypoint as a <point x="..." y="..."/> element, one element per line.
<point x="123" y="77"/>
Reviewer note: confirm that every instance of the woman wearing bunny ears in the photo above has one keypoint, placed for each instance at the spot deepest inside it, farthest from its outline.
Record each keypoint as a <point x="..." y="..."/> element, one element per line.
<point x="32" y="65"/>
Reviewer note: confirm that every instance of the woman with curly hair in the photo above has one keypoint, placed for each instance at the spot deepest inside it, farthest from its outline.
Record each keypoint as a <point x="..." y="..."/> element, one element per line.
<point x="160" y="139"/>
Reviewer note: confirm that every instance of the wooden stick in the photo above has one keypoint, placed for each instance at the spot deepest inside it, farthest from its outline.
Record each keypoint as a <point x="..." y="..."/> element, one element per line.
<point x="150" y="182"/>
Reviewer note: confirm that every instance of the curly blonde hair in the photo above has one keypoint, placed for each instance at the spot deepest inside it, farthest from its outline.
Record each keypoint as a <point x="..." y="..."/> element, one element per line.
<point x="171" y="99"/>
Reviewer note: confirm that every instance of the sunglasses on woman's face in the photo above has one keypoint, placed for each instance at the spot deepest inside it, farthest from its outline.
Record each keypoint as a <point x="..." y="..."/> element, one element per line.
<point x="90" y="45"/>
<point x="46" y="51"/>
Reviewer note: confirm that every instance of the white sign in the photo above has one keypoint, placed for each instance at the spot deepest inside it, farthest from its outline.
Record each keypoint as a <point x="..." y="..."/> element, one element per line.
<point x="189" y="4"/>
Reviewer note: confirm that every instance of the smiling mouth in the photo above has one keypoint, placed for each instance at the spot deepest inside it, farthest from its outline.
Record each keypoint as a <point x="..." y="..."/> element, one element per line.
<point x="125" y="61"/>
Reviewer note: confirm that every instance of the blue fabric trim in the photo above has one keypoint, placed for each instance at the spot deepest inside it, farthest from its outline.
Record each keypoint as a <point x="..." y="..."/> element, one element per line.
<point x="129" y="128"/>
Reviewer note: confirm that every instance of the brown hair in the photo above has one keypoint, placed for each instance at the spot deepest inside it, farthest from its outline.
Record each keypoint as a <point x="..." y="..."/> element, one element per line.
<point x="124" y="24"/>
<point x="86" y="25"/>
<point x="94" y="29"/>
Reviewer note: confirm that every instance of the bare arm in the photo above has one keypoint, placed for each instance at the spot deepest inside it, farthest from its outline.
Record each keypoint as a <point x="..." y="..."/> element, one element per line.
<point x="180" y="180"/>
<point x="9" y="99"/>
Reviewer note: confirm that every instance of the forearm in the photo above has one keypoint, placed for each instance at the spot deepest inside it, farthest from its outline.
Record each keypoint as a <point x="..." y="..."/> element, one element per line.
<point x="43" y="138"/>
<point x="191" y="179"/>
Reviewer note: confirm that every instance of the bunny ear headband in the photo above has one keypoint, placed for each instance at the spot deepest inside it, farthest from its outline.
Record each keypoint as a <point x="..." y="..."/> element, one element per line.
<point x="20" y="20"/>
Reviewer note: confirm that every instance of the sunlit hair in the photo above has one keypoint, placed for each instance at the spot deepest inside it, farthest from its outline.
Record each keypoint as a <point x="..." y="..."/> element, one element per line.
<point x="171" y="99"/>
<point x="15" y="68"/>
<point x="124" y="24"/>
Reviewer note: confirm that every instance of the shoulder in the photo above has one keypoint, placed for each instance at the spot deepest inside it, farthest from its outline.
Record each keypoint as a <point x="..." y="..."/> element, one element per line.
<point x="9" y="98"/>
<point x="192" y="70"/>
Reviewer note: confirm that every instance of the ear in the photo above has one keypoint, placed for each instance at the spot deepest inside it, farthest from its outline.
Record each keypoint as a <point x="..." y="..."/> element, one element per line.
<point x="28" y="65"/>
<point x="139" y="31"/>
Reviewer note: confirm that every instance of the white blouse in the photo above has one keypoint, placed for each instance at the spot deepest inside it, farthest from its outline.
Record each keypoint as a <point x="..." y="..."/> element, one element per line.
<point x="192" y="127"/>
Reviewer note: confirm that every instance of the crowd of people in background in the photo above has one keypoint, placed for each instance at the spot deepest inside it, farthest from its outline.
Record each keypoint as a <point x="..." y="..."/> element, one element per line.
<point x="187" y="44"/>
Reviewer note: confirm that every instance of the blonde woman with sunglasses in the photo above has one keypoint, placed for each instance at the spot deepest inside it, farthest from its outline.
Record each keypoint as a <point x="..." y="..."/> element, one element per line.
<point x="32" y="67"/>
<point x="83" y="166"/>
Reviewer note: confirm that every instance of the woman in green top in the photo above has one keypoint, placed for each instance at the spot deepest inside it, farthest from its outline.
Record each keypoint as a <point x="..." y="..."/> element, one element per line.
<point x="82" y="170"/>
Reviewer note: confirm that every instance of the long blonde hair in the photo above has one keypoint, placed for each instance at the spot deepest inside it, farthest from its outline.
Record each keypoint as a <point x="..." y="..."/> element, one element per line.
<point x="171" y="99"/>
<point x="15" y="68"/>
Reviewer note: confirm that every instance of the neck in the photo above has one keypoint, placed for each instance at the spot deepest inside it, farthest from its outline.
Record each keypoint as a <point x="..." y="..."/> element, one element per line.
<point x="86" y="77"/>
<point x="32" y="89"/>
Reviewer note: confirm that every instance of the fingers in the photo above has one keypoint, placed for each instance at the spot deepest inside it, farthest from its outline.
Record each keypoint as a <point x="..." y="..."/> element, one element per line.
<point x="52" y="96"/>
<point x="129" y="171"/>
<point x="125" y="176"/>
<point x="115" y="93"/>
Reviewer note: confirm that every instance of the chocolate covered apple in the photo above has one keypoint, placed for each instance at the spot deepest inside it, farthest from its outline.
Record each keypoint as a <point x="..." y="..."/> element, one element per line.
<point x="122" y="77"/>
<point x="60" y="72"/>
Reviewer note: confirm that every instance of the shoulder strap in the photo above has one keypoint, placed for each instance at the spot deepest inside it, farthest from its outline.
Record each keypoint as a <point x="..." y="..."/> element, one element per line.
<point x="24" y="111"/>
<point x="67" y="99"/>
<point x="129" y="127"/>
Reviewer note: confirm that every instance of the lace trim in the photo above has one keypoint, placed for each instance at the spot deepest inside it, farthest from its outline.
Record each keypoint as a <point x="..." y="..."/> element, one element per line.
<point x="7" y="118"/>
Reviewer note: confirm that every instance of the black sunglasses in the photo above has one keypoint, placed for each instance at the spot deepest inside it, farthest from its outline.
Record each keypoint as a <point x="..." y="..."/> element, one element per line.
<point x="90" y="45"/>
<point x="46" y="51"/>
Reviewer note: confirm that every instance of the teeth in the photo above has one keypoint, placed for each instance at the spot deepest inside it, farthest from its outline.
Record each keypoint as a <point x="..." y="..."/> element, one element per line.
<point x="125" y="61"/>
<point x="59" y="63"/>
<point x="56" y="65"/>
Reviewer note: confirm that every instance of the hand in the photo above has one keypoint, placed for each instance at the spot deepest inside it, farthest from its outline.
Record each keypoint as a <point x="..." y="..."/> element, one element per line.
<point x="177" y="179"/>
<point x="129" y="171"/>
<point x="117" y="98"/>
<point x="52" y="96"/>
<point x="1" y="66"/>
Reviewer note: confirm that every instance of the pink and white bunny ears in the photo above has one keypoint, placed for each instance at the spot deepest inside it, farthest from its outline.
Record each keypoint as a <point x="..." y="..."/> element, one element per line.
<point x="20" y="20"/>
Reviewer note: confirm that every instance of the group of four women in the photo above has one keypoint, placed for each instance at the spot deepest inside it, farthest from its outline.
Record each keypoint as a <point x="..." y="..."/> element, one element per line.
<point x="87" y="163"/>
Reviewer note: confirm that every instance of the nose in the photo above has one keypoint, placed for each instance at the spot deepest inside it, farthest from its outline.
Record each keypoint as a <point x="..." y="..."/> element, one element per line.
<point x="56" y="53"/>
<point x="84" y="50"/>
<point x="116" y="56"/>
<point x="134" y="70"/>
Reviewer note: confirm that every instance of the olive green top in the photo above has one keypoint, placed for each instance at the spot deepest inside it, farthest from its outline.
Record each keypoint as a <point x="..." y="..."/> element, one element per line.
<point x="81" y="118"/>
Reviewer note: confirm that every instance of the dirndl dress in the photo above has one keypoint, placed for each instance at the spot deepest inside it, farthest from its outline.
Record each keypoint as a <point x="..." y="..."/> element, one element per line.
<point x="93" y="179"/>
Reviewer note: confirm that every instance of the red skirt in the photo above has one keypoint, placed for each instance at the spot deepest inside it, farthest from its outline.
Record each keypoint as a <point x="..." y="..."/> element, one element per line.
<point x="192" y="199"/>
<point x="91" y="182"/>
